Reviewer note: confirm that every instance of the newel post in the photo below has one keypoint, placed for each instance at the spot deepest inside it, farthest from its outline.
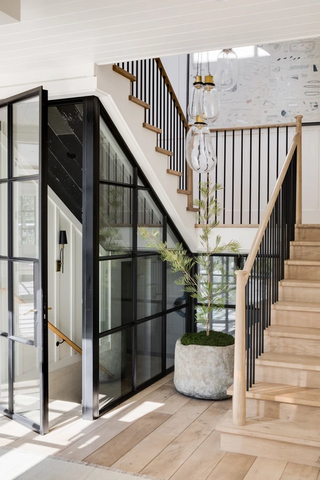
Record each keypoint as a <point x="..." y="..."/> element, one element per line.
<point x="299" y="170"/>
<point x="239" y="384"/>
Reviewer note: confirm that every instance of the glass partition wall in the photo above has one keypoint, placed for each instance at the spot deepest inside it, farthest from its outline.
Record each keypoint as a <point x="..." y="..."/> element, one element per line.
<point x="133" y="311"/>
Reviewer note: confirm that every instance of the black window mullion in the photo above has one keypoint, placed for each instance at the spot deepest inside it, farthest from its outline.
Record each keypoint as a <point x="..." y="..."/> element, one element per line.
<point x="90" y="229"/>
<point x="134" y="277"/>
<point x="10" y="264"/>
<point x="164" y="301"/>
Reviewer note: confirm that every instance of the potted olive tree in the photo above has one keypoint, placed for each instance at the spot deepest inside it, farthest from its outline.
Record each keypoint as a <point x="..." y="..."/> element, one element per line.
<point x="203" y="360"/>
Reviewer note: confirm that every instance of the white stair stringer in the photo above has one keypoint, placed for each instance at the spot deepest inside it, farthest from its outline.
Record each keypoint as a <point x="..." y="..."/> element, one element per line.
<point x="128" y="117"/>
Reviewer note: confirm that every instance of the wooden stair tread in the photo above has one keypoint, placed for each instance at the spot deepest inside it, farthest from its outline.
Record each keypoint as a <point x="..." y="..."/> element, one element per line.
<point x="300" y="283"/>
<point x="193" y="209"/>
<point x="152" y="128"/>
<point x="273" y="429"/>
<point x="183" y="192"/>
<point x="298" y="362"/>
<point x="306" y="263"/>
<point x="174" y="172"/>
<point x="293" y="332"/>
<point x="305" y="244"/>
<point x="297" y="306"/>
<point x="164" y="151"/>
<point x="308" y="225"/>
<point x="275" y="392"/>
<point x="124" y="73"/>
<point x="139" y="102"/>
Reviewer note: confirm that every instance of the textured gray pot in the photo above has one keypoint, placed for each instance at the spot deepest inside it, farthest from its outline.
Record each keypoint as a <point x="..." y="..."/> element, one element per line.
<point x="203" y="371"/>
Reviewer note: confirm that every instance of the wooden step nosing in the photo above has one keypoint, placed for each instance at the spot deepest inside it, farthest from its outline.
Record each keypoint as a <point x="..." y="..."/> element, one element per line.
<point x="310" y="308"/>
<point x="124" y="73"/>
<point x="245" y="431"/>
<point x="308" y="225"/>
<point x="139" y="102"/>
<point x="183" y="192"/>
<point x="152" y="128"/>
<point x="299" y="284"/>
<point x="282" y="364"/>
<point x="305" y="336"/>
<point x="174" y="172"/>
<point x="304" y="244"/>
<point x="302" y="263"/>
<point x="287" y="397"/>
<point x="163" y="151"/>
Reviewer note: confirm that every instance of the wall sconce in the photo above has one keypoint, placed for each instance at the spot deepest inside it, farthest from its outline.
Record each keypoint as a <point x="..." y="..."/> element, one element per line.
<point x="62" y="242"/>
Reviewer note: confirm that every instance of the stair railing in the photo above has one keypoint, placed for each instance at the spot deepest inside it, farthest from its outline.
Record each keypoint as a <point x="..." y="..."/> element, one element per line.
<point x="257" y="283"/>
<point x="152" y="85"/>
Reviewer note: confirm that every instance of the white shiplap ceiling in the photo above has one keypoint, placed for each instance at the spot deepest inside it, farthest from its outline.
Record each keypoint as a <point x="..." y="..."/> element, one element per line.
<point x="69" y="32"/>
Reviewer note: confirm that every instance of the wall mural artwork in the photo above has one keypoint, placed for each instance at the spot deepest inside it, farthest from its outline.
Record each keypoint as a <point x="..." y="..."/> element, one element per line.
<point x="276" y="82"/>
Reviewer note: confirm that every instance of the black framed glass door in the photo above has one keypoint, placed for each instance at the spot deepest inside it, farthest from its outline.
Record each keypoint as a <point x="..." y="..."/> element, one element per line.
<point x="23" y="259"/>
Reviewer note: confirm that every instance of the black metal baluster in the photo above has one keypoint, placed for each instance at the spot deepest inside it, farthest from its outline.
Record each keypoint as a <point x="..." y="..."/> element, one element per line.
<point x="250" y="177"/>
<point x="241" y="179"/>
<point x="268" y="163"/>
<point x="259" y="174"/>
<point x="224" y="177"/>
<point x="232" y="188"/>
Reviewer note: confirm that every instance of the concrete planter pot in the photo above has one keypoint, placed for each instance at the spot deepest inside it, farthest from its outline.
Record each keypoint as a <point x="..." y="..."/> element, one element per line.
<point x="203" y="371"/>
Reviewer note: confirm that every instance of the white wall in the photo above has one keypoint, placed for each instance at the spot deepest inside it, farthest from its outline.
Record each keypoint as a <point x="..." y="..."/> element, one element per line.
<point x="65" y="299"/>
<point x="176" y="67"/>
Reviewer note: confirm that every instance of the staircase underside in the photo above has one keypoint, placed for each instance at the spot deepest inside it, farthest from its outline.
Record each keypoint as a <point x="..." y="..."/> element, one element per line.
<point x="283" y="406"/>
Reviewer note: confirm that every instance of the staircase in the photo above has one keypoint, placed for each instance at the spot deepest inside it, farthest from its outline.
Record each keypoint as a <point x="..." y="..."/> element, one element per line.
<point x="283" y="405"/>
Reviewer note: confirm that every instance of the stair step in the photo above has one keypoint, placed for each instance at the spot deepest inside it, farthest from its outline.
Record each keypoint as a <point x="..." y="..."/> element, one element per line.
<point x="152" y="128"/>
<point x="183" y="192"/>
<point x="174" y="172"/>
<point x="309" y="233"/>
<point x="297" y="306"/>
<point x="139" y="102"/>
<point x="306" y="263"/>
<point x="297" y="362"/>
<point x="272" y="438"/>
<point x="305" y="251"/>
<point x="276" y="392"/>
<point x="164" y="151"/>
<point x="290" y="340"/>
<point x="299" y="290"/>
<point x="124" y="73"/>
<point x="293" y="332"/>
<point x="193" y="209"/>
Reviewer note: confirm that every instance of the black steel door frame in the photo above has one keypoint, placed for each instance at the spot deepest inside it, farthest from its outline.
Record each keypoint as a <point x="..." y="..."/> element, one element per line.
<point x="40" y="264"/>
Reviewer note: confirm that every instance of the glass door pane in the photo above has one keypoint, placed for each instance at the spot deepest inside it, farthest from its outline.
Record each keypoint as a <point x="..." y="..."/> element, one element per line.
<point x="23" y="196"/>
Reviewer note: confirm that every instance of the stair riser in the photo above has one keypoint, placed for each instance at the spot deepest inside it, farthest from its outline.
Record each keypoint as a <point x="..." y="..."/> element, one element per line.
<point x="307" y="235"/>
<point x="295" y="319"/>
<point x="301" y="272"/>
<point x="287" y="376"/>
<point x="298" y="294"/>
<point x="270" y="449"/>
<point x="300" y="252"/>
<point x="283" y="411"/>
<point x="297" y="346"/>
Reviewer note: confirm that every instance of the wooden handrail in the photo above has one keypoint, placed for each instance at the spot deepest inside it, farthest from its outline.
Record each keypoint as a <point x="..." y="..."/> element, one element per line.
<point x="253" y="127"/>
<point x="75" y="346"/>
<point x="242" y="276"/>
<point x="266" y="216"/>
<point x="184" y="120"/>
<point x="171" y="90"/>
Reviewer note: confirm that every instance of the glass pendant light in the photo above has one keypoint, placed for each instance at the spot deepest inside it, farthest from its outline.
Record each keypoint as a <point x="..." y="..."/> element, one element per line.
<point x="210" y="102"/>
<point x="199" y="145"/>
<point x="194" y="107"/>
<point x="227" y="69"/>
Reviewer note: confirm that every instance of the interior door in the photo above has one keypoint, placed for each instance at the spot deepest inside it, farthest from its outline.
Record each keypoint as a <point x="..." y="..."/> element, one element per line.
<point x="23" y="259"/>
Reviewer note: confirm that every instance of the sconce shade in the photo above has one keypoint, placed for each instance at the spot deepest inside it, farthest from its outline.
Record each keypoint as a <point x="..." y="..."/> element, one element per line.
<point x="63" y="237"/>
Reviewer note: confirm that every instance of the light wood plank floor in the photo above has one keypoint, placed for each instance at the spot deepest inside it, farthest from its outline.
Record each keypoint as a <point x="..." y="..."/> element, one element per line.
<point x="158" y="433"/>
